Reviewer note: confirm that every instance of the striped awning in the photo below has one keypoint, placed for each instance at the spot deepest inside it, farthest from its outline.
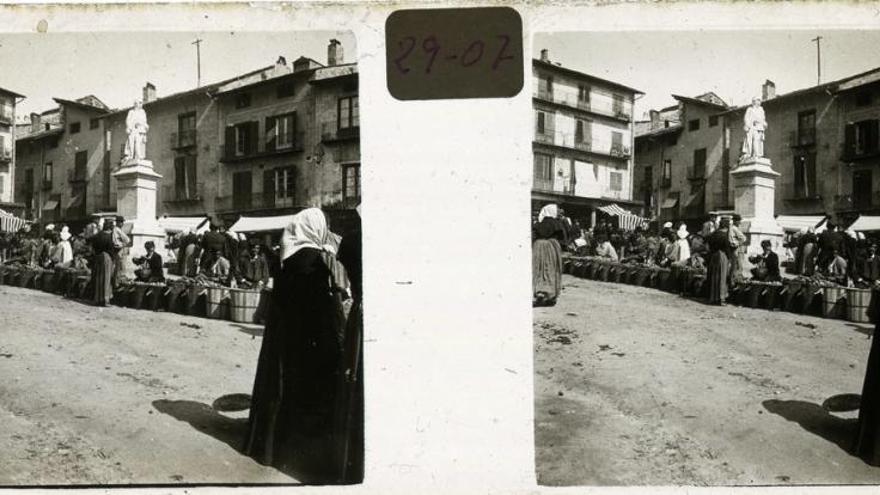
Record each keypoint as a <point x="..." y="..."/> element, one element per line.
<point x="626" y="219"/>
<point x="10" y="222"/>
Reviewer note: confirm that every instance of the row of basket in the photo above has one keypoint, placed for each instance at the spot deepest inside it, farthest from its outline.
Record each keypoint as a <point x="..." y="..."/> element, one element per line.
<point x="794" y="295"/>
<point x="239" y="305"/>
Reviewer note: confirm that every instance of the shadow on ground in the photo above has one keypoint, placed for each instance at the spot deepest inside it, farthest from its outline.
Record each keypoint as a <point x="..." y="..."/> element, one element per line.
<point x="252" y="330"/>
<point x="816" y="420"/>
<point x="207" y="420"/>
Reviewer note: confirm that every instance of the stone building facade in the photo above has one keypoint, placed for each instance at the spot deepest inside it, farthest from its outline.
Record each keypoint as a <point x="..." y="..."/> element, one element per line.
<point x="583" y="140"/>
<point x="8" y="101"/>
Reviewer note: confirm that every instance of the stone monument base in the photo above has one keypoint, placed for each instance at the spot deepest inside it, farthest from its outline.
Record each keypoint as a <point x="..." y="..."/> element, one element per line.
<point x="754" y="183"/>
<point x="136" y="202"/>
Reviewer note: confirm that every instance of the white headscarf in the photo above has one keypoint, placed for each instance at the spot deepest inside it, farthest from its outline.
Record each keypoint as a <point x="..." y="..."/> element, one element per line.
<point x="682" y="232"/>
<point x="307" y="229"/>
<point x="551" y="211"/>
<point x="65" y="233"/>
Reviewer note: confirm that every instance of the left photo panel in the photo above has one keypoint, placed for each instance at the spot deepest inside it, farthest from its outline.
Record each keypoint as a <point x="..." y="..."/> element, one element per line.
<point x="180" y="241"/>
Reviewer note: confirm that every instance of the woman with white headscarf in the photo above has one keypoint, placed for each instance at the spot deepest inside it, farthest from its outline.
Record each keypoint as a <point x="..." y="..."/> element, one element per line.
<point x="548" y="233"/>
<point x="293" y="417"/>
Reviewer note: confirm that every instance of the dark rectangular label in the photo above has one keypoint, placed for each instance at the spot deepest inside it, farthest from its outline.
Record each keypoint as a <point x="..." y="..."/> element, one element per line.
<point x="454" y="53"/>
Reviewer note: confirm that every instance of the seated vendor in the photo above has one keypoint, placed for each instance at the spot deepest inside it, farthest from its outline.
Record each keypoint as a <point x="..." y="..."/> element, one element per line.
<point x="767" y="269"/>
<point x="220" y="269"/>
<point x="150" y="268"/>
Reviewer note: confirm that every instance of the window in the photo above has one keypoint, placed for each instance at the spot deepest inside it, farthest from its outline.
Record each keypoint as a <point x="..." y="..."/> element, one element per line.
<point x="805" y="176"/>
<point x="185" y="179"/>
<point x="694" y="125"/>
<point x="806" y="131"/>
<point x="542" y="122"/>
<point x="617" y="105"/>
<point x="74" y="127"/>
<point x="241" y="139"/>
<point x="186" y="129"/>
<point x="543" y="171"/>
<point x="243" y="100"/>
<point x="242" y="192"/>
<point x="861" y="189"/>
<point x="616" y="143"/>
<point x="713" y="120"/>
<point x="80" y="165"/>
<point x="616" y="181"/>
<point x="699" y="169"/>
<point x="582" y="132"/>
<point x="48" y="173"/>
<point x="347" y="113"/>
<point x="280" y="131"/>
<point x="284" y="182"/>
<point x="666" y="180"/>
<point x="94" y="123"/>
<point x="583" y="94"/>
<point x="863" y="99"/>
<point x="351" y="182"/>
<point x="545" y="88"/>
<point x="648" y="179"/>
<point x="3" y="150"/>
<point x="285" y="90"/>
<point x="862" y="138"/>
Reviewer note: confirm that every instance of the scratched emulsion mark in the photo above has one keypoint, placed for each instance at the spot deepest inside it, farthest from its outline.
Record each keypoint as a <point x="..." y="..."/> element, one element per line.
<point x="42" y="26"/>
<point x="454" y="53"/>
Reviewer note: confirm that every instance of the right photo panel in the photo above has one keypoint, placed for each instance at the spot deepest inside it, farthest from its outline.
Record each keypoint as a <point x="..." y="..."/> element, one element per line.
<point x="705" y="219"/>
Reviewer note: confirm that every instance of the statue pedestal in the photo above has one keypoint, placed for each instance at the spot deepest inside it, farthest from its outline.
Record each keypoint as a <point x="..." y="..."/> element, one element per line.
<point x="136" y="202"/>
<point x="754" y="183"/>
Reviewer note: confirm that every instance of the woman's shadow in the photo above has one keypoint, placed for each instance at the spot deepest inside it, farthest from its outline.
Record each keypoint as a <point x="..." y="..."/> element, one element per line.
<point x="817" y="420"/>
<point x="208" y="420"/>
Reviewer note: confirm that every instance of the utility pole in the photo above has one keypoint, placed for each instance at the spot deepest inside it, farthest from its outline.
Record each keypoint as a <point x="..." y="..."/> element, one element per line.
<point x="198" y="43"/>
<point x="818" y="40"/>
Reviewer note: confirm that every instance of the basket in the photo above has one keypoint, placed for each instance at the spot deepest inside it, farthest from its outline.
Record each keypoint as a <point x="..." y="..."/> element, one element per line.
<point x="834" y="302"/>
<point x="244" y="303"/>
<point x="858" y="302"/>
<point x="195" y="300"/>
<point x="218" y="303"/>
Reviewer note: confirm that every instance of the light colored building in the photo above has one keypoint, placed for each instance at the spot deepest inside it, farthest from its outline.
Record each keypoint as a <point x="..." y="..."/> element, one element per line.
<point x="8" y="103"/>
<point x="681" y="159"/>
<point x="61" y="162"/>
<point x="583" y="141"/>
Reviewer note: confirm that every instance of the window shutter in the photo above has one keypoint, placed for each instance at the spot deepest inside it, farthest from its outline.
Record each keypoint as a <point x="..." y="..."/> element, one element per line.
<point x="269" y="188"/>
<point x="849" y="139"/>
<point x="191" y="178"/>
<point x="291" y="130"/>
<point x="811" y="175"/>
<point x="271" y="140"/>
<point x="540" y="123"/>
<point x="179" y="177"/>
<point x="230" y="141"/>
<point x="253" y="133"/>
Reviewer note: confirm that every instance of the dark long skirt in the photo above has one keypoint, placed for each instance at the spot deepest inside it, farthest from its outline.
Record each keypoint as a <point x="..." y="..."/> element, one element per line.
<point x="103" y="276"/>
<point x="716" y="276"/>
<point x="547" y="269"/>
<point x="351" y="407"/>
<point x="867" y="442"/>
<point x="294" y="420"/>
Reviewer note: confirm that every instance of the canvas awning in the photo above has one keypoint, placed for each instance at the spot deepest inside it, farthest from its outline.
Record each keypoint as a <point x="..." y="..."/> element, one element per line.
<point x="50" y="205"/>
<point x="626" y="219"/>
<point x="796" y="223"/>
<point x="261" y="224"/>
<point x="75" y="201"/>
<point x="669" y="203"/>
<point x="866" y="223"/>
<point x="10" y="222"/>
<point x="173" y="225"/>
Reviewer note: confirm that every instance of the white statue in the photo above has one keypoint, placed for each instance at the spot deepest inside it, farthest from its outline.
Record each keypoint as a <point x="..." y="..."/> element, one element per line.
<point x="136" y="126"/>
<point x="754" y="123"/>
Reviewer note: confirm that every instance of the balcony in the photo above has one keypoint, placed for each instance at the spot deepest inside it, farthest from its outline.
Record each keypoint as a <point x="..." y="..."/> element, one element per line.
<point x="802" y="138"/>
<point x="330" y="133"/>
<point x="573" y="141"/>
<point x="564" y="186"/>
<point x="572" y="101"/>
<point x="859" y="151"/>
<point x="173" y="194"/>
<point x="46" y="185"/>
<point x="5" y="154"/>
<point x="620" y="151"/>
<point x="296" y="146"/>
<point x="76" y="176"/>
<point x="183" y="139"/>
<point x="5" y="116"/>
<point x="254" y="201"/>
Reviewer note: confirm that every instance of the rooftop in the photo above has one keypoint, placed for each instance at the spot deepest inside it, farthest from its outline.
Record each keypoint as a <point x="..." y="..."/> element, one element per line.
<point x="10" y="93"/>
<point x="559" y="68"/>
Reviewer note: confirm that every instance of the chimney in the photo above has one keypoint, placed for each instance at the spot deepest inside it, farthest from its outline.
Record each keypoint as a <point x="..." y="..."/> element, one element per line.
<point x="545" y="55"/>
<point x="768" y="90"/>
<point x="281" y="62"/>
<point x="334" y="53"/>
<point x="655" y="119"/>
<point x="36" y="124"/>
<point x="149" y="92"/>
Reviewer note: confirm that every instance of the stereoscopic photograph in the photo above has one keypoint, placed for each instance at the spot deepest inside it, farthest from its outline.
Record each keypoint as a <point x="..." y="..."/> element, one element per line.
<point x="181" y="268"/>
<point x="705" y="227"/>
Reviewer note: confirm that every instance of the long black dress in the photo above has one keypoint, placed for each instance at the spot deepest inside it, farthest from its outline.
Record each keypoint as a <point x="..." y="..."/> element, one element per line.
<point x="867" y="442"/>
<point x="352" y="404"/>
<point x="293" y="417"/>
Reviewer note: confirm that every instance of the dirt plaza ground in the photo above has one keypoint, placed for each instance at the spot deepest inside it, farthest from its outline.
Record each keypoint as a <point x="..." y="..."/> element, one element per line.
<point x="636" y="386"/>
<point x="122" y="396"/>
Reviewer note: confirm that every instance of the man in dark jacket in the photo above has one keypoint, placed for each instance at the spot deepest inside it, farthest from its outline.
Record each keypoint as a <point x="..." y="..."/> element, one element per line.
<point x="150" y="268"/>
<point x="213" y="241"/>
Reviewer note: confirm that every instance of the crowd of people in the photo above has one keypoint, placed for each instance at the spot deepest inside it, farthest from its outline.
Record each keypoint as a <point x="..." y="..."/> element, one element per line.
<point x="844" y="256"/>
<point x="306" y="414"/>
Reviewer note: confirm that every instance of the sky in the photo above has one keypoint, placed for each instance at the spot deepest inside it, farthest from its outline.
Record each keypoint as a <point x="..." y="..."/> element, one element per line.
<point x="115" y="66"/>
<point x="734" y="65"/>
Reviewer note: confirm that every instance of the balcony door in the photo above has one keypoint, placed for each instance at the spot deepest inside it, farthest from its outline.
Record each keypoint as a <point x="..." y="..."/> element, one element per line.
<point x="241" y="190"/>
